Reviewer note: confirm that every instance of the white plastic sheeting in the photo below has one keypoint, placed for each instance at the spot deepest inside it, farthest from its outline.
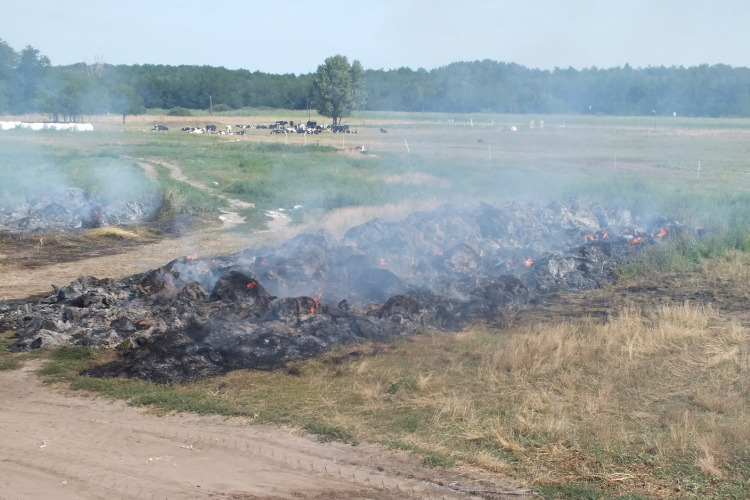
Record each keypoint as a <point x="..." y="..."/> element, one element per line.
<point x="78" y="127"/>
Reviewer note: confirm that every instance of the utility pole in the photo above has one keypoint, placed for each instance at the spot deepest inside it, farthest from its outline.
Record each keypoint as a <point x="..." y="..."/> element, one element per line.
<point x="210" y="106"/>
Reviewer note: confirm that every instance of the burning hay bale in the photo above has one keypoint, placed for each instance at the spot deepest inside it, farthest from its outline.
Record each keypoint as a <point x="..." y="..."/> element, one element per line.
<point x="69" y="210"/>
<point x="264" y="307"/>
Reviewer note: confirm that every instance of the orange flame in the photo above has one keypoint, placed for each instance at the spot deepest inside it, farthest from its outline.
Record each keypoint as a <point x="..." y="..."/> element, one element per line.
<point x="510" y="262"/>
<point x="192" y="257"/>
<point x="625" y="231"/>
<point x="591" y="237"/>
<point x="264" y="261"/>
<point x="528" y="262"/>
<point x="251" y="285"/>
<point x="605" y="234"/>
<point x="316" y="301"/>
<point x="633" y="241"/>
<point x="663" y="232"/>
<point x="383" y="263"/>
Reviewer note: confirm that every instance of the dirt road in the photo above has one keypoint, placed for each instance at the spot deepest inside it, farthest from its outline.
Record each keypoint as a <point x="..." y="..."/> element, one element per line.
<point x="69" y="446"/>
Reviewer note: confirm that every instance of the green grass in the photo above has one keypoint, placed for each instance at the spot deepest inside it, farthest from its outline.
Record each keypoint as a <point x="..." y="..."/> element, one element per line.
<point x="14" y="361"/>
<point x="328" y="433"/>
<point x="657" y="164"/>
<point x="9" y="363"/>
<point x="179" y="197"/>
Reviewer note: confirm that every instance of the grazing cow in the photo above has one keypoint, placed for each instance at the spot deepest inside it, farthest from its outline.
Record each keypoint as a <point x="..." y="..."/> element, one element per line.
<point x="210" y="128"/>
<point x="160" y="128"/>
<point x="383" y="130"/>
<point x="229" y="129"/>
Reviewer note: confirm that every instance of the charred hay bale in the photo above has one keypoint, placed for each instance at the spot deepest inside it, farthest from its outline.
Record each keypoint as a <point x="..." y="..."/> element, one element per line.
<point x="275" y="344"/>
<point x="459" y="259"/>
<point x="193" y="292"/>
<point x="587" y="266"/>
<point x="294" y="310"/>
<point x="160" y="285"/>
<point x="167" y="358"/>
<point x="378" y="284"/>
<point x="242" y="291"/>
<point x="80" y="286"/>
<point x="499" y="292"/>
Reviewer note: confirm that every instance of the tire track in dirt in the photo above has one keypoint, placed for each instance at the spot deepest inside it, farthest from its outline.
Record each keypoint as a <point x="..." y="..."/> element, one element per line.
<point x="69" y="446"/>
<point x="229" y="218"/>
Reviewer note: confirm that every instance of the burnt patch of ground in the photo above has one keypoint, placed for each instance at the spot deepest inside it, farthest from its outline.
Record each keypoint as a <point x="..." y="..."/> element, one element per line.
<point x="38" y="251"/>
<point x="199" y="317"/>
<point x="34" y="251"/>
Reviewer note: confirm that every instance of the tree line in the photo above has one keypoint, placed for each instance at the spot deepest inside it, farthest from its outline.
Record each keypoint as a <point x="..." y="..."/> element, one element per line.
<point x="30" y="83"/>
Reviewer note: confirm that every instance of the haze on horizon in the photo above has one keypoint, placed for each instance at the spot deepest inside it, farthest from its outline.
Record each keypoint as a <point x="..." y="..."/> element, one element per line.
<point x="295" y="37"/>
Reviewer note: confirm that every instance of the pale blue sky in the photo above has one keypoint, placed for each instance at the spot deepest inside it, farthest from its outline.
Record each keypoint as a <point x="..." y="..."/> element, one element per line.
<point x="285" y="36"/>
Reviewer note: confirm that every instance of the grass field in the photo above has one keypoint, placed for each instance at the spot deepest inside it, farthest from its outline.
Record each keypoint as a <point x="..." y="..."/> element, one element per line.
<point x="444" y="161"/>
<point x="651" y="402"/>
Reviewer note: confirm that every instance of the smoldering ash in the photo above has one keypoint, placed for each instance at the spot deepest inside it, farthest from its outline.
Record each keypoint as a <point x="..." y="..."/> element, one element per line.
<point x="197" y="317"/>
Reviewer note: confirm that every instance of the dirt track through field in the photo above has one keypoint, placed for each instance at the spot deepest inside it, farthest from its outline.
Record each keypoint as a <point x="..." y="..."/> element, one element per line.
<point x="229" y="218"/>
<point x="69" y="446"/>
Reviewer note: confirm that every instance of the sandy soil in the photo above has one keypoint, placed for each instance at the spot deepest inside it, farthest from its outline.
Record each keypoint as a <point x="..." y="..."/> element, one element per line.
<point x="66" y="446"/>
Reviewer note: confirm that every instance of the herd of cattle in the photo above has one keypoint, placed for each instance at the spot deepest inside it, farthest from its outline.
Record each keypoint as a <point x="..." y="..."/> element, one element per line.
<point x="280" y="127"/>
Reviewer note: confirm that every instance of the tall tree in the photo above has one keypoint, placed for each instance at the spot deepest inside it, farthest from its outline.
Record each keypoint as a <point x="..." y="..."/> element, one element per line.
<point x="125" y="100"/>
<point x="8" y="60"/>
<point x="339" y="87"/>
<point x="30" y="71"/>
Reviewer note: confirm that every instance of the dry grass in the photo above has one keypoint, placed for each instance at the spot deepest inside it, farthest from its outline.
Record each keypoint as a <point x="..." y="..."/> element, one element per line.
<point x="651" y="399"/>
<point x="111" y="232"/>
<point x="640" y="403"/>
<point x="417" y="179"/>
<point x="339" y="220"/>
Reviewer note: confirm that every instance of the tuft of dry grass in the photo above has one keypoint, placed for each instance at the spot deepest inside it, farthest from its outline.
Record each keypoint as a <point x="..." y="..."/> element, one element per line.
<point x="111" y="232"/>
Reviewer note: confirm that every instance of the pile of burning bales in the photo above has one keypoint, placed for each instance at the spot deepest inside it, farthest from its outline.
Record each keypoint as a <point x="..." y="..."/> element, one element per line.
<point x="69" y="210"/>
<point x="199" y="317"/>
